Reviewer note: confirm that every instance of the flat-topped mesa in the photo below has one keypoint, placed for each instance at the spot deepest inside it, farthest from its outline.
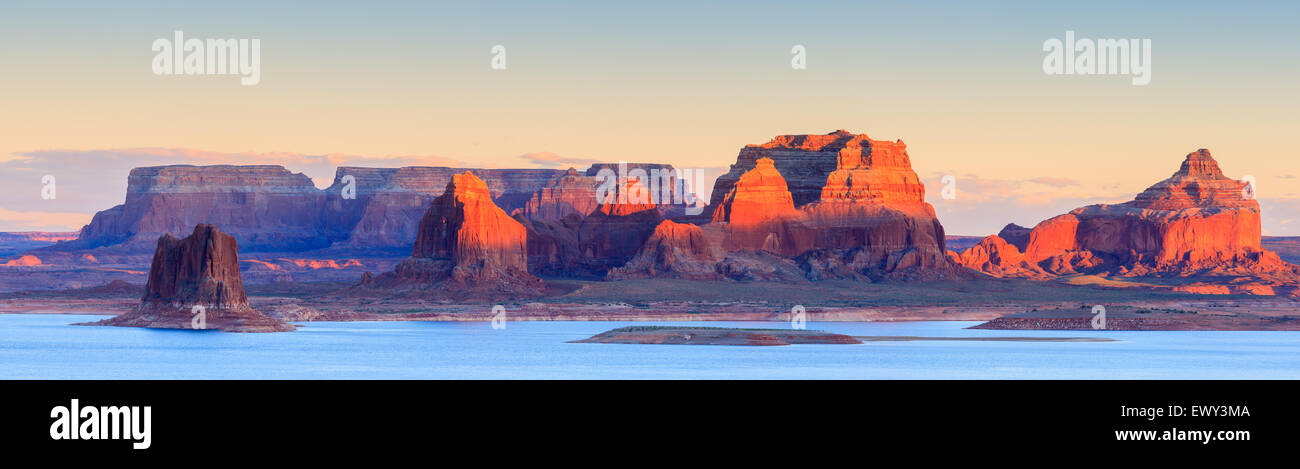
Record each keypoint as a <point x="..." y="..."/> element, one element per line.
<point x="867" y="169"/>
<point x="1197" y="222"/>
<point x="859" y="208"/>
<point x="197" y="276"/>
<point x="467" y="246"/>
<point x="265" y="207"/>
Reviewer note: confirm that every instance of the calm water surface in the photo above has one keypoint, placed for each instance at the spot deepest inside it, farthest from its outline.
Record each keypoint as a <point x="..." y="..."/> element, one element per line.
<point x="47" y="347"/>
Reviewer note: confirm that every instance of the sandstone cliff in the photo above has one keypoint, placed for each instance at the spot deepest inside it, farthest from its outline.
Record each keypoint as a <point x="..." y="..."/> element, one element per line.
<point x="859" y="209"/>
<point x="198" y="271"/>
<point x="674" y="250"/>
<point x="466" y="247"/>
<point x="390" y="201"/>
<point x="266" y="207"/>
<point x="1196" y="222"/>
<point x="588" y="247"/>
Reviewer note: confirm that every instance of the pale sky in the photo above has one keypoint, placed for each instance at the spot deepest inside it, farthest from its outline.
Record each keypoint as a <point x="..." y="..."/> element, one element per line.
<point x="686" y="83"/>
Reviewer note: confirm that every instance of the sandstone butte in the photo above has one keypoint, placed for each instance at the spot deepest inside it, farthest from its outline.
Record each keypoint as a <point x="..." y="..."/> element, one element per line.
<point x="200" y="270"/>
<point x="1196" y="222"/>
<point x="841" y="205"/>
<point x="466" y="247"/>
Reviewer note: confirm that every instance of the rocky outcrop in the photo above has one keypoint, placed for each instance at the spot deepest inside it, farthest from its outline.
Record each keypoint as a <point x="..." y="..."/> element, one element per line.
<point x="1016" y="235"/>
<point x="23" y="261"/>
<point x="759" y="213"/>
<point x="467" y="247"/>
<point x="389" y="202"/>
<point x="266" y="208"/>
<point x="194" y="283"/>
<point x="998" y="258"/>
<point x="868" y="219"/>
<point x="1196" y="222"/>
<point x="674" y="250"/>
<point x="579" y="192"/>
<point x="569" y="193"/>
<point x="859" y="209"/>
<point x="365" y="210"/>
<point x="588" y="247"/>
<point x="619" y="227"/>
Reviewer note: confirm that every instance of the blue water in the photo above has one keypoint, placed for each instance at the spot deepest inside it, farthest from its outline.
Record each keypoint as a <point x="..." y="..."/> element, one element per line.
<point x="48" y="347"/>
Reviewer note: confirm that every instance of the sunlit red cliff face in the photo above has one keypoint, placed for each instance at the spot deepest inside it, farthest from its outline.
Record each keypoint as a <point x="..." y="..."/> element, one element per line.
<point x="1196" y="222"/>
<point x="198" y="271"/>
<point x="867" y="220"/>
<point x="862" y="216"/>
<point x="466" y="246"/>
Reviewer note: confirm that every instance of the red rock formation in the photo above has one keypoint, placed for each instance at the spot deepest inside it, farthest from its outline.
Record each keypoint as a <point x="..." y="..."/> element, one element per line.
<point x="200" y="270"/>
<point x="568" y="193"/>
<point x="807" y="161"/>
<point x="1016" y="235"/>
<point x="390" y="202"/>
<point x="266" y="207"/>
<point x="843" y="205"/>
<point x="588" y="247"/>
<point x="759" y="213"/>
<point x="999" y="258"/>
<point x="1197" y="222"/>
<point x="758" y="195"/>
<point x="577" y="192"/>
<point x="674" y="250"/>
<point x="618" y="228"/>
<point x="24" y="261"/>
<point x="467" y="246"/>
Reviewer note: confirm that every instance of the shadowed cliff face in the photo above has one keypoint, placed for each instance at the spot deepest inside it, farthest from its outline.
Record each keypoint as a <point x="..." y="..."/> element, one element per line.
<point x="1196" y="222"/>
<point x="198" y="271"/>
<point x="268" y="208"/>
<point x="267" y="205"/>
<point x="202" y="268"/>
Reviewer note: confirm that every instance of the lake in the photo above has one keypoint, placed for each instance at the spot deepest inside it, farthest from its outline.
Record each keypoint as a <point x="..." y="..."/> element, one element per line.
<point x="41" y="346"/>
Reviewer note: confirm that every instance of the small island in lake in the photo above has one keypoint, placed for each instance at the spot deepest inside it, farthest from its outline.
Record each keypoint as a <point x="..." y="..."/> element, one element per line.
<point x="715" y="336"/>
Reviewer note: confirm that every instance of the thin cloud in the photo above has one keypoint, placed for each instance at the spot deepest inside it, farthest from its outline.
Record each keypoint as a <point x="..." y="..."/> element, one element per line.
<point x="1054" y="181"/>
<point x="42" y="221"/>
<point x="546" y="159"/>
